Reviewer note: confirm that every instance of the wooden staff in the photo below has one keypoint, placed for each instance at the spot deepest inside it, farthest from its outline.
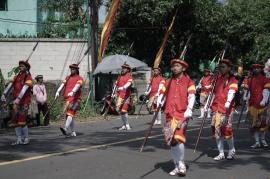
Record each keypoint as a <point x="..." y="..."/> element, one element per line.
<point x="209" y="100"/>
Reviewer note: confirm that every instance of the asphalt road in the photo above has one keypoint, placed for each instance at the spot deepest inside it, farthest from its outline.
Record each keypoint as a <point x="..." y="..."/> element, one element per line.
<point x="100" y="151"/>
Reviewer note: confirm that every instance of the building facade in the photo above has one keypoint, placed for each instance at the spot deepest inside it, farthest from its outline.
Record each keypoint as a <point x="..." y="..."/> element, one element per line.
<point x="19" y="18"/>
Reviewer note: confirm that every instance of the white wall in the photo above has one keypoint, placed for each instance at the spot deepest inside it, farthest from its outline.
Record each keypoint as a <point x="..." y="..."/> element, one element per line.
<point x="50" y="59"/>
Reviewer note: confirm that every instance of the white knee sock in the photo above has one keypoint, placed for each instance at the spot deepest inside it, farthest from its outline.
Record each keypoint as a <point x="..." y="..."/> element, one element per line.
<point x="25" y="132"/>
<point x="174" y="155"/>
<point x="181" y="151"/>
<point x="220" y="144"/>
<point x="178" y="153"/>
<point x="230" y="143"/>
<point x="256" y="137"/>
<point x="72" y="125"/>
<point x="18" y="131"/>
<point x="159" y="116"/>
<point x="209" y="113"/>
<point x="123" y="117"/>
<point x="202" y="112"/>
<point x="262" y="135"/>
<point x="126" y="119"/>
<point x="68" y="122"/>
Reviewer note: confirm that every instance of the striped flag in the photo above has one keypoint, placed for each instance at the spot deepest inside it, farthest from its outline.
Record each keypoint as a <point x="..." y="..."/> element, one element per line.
<point x="107" y="28"/>
<point x="161" y="49"/>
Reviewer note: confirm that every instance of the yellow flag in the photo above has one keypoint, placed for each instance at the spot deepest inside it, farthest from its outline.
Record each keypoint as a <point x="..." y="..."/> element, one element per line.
<point x="105" y="34"/>
<point x="161" y="49"/>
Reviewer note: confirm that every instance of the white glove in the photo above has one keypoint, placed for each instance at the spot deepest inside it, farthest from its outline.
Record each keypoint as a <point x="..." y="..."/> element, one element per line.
<point x="208" y="87"/>
<point x="16" y="101"/>
<point x="265" y="94"/>
<point x="230" y="97"/>
<point x="227" y="105"/>
<point x="57" y="94"/>
<point x="188" y="113"/>
<point x="246" y="96"/>
<point x="146" y="93"/>
<point x="160" y="102"/>
<point x="120" y="88"/>
<point x="70" y="94"/>
<point x="199" y="86"/>
<point x="263" y="103"/>
<point x="3" y="98"/>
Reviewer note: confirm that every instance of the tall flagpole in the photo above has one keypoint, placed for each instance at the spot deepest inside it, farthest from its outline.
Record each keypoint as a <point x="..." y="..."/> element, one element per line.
<point x="94" y="45"/>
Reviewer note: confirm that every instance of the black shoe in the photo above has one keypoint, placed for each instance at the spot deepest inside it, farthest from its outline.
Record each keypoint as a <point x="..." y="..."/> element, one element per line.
<point x="64" y="132"/>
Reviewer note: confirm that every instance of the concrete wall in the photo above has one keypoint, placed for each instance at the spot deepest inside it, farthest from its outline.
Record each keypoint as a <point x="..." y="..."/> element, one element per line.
<point x="21" y="10"/>
<point x="51" y="57"/>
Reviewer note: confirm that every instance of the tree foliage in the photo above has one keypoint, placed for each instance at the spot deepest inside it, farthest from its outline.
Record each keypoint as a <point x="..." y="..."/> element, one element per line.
<point x="243" y="23"/>
<point x="65" y="18"/>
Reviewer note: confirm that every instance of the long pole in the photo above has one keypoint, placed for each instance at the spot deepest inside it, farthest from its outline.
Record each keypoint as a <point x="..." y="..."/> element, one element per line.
<point x="89" y="96"/>
<point x="32" y="52"/>
<point x="154" y="118"/>
<point x="244" y="103"/>
<point x="182" y="56"/>
<point x="52" y="104"/>
<point x="209" y="100"/>
<point x="94" y="35"/>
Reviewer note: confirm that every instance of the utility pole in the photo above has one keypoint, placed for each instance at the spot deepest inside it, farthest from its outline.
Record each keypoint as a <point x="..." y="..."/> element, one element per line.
<point x="94" y="36"/>
<point x="90" y="97"/>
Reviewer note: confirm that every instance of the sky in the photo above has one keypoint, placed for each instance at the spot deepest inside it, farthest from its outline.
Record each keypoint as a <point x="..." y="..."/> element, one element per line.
<point x="102" y="14"/>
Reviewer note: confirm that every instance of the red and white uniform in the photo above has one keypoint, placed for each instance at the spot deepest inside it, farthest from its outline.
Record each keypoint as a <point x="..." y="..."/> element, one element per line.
<point x="176" y="104"/>
<point x="123" y="94"/>
<point x="258" y="113"/>
<point x="258" y="84"/>
<point x="206" y="83"/>
<point x="222" y="118"/>
<point x="23" y="78"/>
<point x="19" y="81"/>
<point x="245" y="82"/>
<point x="70" y="101"/>
<point x="156" y="84"/>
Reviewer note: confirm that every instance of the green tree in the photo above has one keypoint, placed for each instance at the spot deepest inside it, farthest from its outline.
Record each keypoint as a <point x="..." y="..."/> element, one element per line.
<point x="243" y="23"/>
<point x="65" y="18"/>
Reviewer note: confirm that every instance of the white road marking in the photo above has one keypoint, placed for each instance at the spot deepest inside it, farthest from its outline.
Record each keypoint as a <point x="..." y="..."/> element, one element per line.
<point x="83" y="149"/>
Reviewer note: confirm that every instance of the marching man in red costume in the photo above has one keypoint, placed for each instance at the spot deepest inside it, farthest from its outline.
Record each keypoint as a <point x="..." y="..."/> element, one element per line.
<point x="245" y="88"/>
<point x="123" y="87"/>
<point x="153" y="87"/>
<point x="72" y="94"/>
<point x="259" y="87"/>
<point x="179" y="91"/>
<point x="222" y="108"/>
<point x="22" y="85"/>
<point x="205" y="86"/>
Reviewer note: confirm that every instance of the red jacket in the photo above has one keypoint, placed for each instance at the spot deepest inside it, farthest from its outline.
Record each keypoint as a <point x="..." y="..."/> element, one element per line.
<point x="155" y="82"/>
<point x="245" y="82"/>
<point x="69" y="83"/>
<point x="223" y="85"/>
<point x="258" y="84"/>
<point x="120" y="82"/>
<point x="206" y="81"/>
<point x="177" y="97"/>
<point x="23" y="78"/>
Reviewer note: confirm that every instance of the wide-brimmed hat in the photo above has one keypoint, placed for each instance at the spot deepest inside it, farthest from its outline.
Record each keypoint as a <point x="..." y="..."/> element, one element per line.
<point x="25" y="63"/>
<point x="182" y="62"/>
